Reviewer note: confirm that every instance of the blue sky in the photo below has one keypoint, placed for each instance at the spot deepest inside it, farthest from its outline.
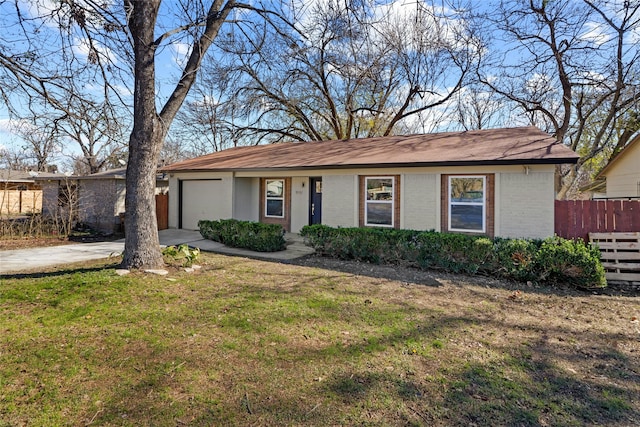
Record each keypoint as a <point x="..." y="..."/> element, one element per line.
<point x="168" y="60"/>
<point x="167" y="65"/>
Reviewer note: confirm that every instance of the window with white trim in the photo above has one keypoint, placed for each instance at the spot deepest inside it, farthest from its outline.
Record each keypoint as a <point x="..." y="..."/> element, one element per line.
<point x="467" y="204"/>
<point x="379" y="201"/>
<point x="274" y="198"/>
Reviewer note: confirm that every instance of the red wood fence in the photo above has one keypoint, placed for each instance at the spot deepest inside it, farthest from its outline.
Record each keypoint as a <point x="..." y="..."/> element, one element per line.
<point x="578" y="218"/>
<point x="162" y="211"/>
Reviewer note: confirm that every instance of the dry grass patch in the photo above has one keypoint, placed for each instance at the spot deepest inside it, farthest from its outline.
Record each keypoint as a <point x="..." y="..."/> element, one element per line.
<point x="243" y="342"/>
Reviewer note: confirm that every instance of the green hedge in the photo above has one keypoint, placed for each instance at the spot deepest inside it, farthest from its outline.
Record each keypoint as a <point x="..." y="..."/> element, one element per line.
<point x="553" y="260"/>
<point x="244" y="234"/>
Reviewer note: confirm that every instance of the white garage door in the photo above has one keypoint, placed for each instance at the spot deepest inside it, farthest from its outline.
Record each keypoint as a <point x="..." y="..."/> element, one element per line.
<point x="205" y="199"/>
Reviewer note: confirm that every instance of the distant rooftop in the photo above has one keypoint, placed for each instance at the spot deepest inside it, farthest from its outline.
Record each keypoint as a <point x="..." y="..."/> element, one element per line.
<point x="118" y="173"/>
<point x="28" y="176"/>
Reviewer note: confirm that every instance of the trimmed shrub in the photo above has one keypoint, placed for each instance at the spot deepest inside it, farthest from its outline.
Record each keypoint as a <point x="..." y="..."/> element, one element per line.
<point x="244" y="234"/>
<point x="515" y="258"/>
<point x="374" y="245"/>
<point x="569" y="261"/>
<point x="554" y="260"/>
<point x="458" y="253"/>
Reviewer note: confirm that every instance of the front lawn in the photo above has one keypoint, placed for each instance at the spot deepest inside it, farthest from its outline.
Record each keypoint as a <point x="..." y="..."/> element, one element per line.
<point x="244" y="342"/>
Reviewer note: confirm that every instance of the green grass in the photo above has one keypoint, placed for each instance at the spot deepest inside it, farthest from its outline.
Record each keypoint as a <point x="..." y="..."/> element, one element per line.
<point x="244" y="342"/>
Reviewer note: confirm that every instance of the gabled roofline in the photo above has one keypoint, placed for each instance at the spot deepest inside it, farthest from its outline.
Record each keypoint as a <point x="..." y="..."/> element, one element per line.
<point x="634" y="140"/>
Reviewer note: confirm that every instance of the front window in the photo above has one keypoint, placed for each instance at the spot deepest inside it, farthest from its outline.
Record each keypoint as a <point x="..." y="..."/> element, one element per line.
<point x="379" y="203"/>
<point x="274" y="198"/>
<point x="467" y="203"/>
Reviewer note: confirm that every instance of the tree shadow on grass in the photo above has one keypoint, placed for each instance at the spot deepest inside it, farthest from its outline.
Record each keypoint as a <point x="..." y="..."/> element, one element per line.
<point x="377" y="271"/>
<point x="544" y="396"/>
<point x="63" y="271"/>
<point x="510" y="389"/>
<point x="515" y="389"/>
<point x="412" y="274"/>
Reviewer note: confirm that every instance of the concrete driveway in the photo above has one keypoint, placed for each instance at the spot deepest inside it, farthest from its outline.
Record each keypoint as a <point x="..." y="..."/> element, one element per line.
<point x="35" y="259"/>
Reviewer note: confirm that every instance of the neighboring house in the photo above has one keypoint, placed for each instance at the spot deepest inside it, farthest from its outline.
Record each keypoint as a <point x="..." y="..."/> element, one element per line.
<point x="24" y="192"/>
<point x="593" y="190"/>
<point x="622" y="173"/>
<point x="496" y="182"/>
<point x="101" y="198"/>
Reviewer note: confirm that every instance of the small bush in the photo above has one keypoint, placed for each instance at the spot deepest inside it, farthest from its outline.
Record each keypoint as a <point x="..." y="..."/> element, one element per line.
<point x="458" y="253"/>
<point x="31" y="225"/>
<point x="244" y="234"/>
<point x="569" y="261"/>
<point x="554" y="260"/>
<point x="182" y="253"/>
<point x="515" y="258"/>
<point x="372" y="245"/>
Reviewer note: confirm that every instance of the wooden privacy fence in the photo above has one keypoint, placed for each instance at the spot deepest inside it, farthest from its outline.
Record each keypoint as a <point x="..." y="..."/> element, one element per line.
<point x="620" y="255"/>
<point x="20" y="201"/>
<point x="577" y="218"/>
<point x="162" y="211"/>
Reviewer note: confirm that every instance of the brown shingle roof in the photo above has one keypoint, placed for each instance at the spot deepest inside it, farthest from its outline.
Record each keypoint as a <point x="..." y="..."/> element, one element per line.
<point x="527" y="145"/>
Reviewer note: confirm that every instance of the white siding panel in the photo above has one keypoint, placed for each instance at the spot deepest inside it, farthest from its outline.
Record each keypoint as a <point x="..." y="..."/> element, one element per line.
<point x="340" y="200"/>
<point x="420" y="202"/>
<point x="623" y="176"/>
<point x="207" y="199"/>
<point x="526" y="205"/>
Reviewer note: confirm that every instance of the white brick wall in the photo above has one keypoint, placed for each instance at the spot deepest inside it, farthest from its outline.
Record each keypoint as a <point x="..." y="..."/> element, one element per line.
<point x="246" y="199"/>
<point x="525" y="203"/>
<point x="340" y="200"/>
<point x="299" y="203"/>
<point x="419" y="202"/>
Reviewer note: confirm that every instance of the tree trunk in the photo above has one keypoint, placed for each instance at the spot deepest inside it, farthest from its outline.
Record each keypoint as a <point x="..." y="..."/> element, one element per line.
<point x="141" y="241"/>
<point x="141" y="248"/>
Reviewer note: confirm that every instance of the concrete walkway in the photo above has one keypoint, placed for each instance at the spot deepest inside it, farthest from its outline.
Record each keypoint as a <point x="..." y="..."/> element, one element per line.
<point x="35" y="259"/>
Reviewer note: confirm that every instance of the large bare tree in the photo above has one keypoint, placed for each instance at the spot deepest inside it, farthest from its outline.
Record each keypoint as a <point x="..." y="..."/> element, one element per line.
<point x="571" y="68"/>
<point x="344" y="70"/>
<point x="63" y="66"/>
<point x="97" y="129"/>
<point x="150" y="126"/>
<point x="98" y="46"/>
<point x="94" y="128"/>
<point x="40" y="142"/>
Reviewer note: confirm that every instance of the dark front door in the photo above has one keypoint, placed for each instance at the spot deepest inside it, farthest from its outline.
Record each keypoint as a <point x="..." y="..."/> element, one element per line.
<point x="315" y="201"/>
